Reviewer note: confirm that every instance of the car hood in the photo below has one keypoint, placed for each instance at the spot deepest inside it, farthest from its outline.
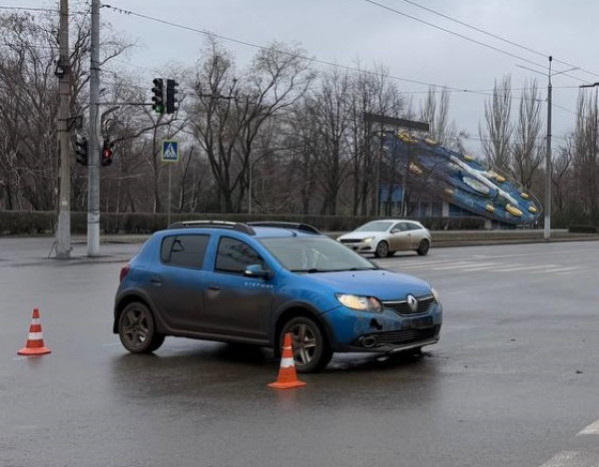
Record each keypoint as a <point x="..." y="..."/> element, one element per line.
<point x="380" y="283"/>
<point x="360" y="235"/>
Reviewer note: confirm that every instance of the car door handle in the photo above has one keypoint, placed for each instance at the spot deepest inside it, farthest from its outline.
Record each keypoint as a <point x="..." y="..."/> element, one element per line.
<point x="155" y="280"/>
<point x="214" y="288"/>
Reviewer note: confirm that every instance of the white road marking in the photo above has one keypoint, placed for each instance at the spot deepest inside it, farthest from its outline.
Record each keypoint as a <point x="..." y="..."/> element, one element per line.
<point x="572" y="459"/>
<point x="525" y="268"/>
<point x="577" y="458"/>
<point x="563" y="269"/>
<point x="429" y="264"/>
<point x="473" y="266"/>
<point x="592" y="429"/>
<point x="493" y="267"/>
<point x="469" y="266"/>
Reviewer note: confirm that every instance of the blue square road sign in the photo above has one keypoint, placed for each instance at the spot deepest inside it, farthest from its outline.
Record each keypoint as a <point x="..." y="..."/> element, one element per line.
<point x="170" y="150"/>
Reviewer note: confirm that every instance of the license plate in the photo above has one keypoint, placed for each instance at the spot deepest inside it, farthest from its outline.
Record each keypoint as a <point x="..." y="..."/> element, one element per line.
<point x="418" y="323"/>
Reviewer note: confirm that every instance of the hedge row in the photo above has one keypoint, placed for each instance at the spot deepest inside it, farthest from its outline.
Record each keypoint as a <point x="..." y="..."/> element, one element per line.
<point x="582" y="229"/>
<point x="44" y="222"/>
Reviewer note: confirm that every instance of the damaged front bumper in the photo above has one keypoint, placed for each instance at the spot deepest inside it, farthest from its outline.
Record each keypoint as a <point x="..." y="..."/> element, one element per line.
<point x="384" y="332"/>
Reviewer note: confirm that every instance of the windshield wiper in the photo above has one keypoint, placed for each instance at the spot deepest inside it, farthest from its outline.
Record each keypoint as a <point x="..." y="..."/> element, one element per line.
<point x="314" y="270"/>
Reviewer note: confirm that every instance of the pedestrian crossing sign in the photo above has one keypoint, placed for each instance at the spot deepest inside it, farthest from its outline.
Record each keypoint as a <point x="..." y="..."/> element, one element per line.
<point x="170" y="150"/>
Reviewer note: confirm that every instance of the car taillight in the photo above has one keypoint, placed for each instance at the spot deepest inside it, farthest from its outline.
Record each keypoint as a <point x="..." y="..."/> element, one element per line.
<point x="124" y="271"/>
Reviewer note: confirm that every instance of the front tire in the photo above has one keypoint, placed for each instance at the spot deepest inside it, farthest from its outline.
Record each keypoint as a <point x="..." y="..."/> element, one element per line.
<point x="137" y="329"/>
<point x="423" y="247"/>
<point x="311" y="350"/>
<point x="382" y="249"/>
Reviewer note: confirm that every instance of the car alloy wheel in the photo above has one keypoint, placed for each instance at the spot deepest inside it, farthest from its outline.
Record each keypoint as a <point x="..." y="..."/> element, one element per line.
<point x="423" y="247"/>
<point x="137" y="330"/>
<point x="311" y="351"/>
<point x="382" y="249"/>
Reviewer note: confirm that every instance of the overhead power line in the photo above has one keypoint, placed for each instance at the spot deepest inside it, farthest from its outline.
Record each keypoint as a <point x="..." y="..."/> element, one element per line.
<point x="451" y="89"/>
<point x="495" y="36"/>
<point x="263" y="47"/>
<point x="23" y="8"/>
<point x="462" y="36"/>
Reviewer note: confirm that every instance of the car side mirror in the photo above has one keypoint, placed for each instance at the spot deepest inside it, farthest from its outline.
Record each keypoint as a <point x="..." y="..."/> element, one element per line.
<point x="394" y="231"/>
<point x="257" y="271"/>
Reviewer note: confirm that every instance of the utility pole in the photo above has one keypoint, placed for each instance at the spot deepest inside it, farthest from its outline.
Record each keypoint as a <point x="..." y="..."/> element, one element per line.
<point x="547" y="207"/>
<point x="93" y="194"/>
<point x="63" y="69"/>
<point x="547" y="223"/>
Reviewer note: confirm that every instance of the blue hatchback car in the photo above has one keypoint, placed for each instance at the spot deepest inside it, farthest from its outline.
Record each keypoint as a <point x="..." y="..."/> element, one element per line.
<point x="252" y="283"/>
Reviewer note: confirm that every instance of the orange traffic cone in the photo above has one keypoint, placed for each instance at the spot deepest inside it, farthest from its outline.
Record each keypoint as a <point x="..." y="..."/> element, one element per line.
<point x="35" y="339"/>
<point x="287" y="376"/>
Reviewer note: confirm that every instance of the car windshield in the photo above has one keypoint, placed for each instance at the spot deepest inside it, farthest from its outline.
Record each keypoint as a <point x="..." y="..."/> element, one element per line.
<point x="374" y="226"/>
<point x="315" y="254"/>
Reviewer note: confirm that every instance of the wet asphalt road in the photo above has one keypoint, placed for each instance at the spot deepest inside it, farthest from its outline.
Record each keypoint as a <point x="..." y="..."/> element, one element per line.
<point x="513" y="381"/>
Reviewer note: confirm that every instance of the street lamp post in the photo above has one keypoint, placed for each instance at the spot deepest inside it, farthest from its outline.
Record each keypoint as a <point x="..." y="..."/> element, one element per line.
<point x="547" y="223"/>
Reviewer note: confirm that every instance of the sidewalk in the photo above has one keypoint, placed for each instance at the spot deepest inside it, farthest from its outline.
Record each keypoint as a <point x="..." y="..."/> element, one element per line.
<point x="441" y="238"/>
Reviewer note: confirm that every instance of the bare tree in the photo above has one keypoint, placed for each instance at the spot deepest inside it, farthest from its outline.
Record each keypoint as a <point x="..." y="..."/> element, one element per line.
<point x="527" y="149"/>
<point x="329" y="109"/>
<point x="371" y="92"/>
<point x="435" y="112"/>
<point x="563" y="186"/>
<point x="586" y="154"/>
<point x="29" y="102"/>
<point x="496" y="139"/>
<point x="230" y="110"/>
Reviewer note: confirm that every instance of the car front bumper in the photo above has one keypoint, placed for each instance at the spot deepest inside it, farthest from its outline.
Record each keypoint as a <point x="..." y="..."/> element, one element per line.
<point x="355" y="331"/>
<point x="361" y="247"/>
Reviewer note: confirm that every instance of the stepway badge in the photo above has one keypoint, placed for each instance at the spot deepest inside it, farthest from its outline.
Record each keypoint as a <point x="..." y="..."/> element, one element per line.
<point x="170" y="150"/>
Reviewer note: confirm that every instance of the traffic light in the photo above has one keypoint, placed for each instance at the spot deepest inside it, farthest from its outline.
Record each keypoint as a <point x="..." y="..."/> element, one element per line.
<point x="81" y="150"/>
<point x="158" y="97"/>
<point x="107" y="153"/>
<point x="171" y="96"/>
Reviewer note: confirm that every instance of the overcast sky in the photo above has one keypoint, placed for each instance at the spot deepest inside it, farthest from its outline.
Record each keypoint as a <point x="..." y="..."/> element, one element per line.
<point x="344" y="31"/>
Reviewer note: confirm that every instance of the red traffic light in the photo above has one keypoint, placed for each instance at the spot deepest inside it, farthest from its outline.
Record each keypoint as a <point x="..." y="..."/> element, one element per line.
<point x="107" y="153"/>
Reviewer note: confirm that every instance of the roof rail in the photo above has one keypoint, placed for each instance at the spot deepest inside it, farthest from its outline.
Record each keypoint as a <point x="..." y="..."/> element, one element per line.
<point x="285" y="225"/>
<point x="214" y="224"/>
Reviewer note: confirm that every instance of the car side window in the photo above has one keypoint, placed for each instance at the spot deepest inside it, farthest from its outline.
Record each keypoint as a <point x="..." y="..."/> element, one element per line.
<point x="184" y="250"/>
<point x="233" y="256"/>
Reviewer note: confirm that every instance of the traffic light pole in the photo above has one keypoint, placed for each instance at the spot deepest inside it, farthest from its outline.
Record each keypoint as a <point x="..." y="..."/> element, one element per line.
<point x="63" y="231"/>
<point x="93" y="194"/>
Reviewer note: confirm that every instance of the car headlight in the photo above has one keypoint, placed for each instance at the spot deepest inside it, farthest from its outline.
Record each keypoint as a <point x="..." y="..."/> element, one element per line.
<point x="435" y="295"/>
<point x="360" y="302"/>
<point x="368" y="239"/>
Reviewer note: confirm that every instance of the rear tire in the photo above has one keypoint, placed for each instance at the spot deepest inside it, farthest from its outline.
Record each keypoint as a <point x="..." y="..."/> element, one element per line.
<point x="423" y="247"/>
<point x="137" y="329"/>
<point x="311" y="350"/>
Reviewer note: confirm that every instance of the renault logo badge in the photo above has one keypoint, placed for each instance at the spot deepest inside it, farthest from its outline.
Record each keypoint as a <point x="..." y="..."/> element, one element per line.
<point x="412" y="303"/>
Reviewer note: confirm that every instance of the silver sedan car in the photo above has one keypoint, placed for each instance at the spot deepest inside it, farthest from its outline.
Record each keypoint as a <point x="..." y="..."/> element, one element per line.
<point x="386" y="236"/>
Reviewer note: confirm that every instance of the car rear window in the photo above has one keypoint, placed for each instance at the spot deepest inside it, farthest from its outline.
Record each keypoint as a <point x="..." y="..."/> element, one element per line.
<point x="184" y="250"/>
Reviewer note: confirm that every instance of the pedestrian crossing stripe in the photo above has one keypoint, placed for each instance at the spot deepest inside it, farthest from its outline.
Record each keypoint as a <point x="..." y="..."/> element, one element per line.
<point x="487" y="266"/>
<point x="572" y="459"/>
<point x="592" y="429"/>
